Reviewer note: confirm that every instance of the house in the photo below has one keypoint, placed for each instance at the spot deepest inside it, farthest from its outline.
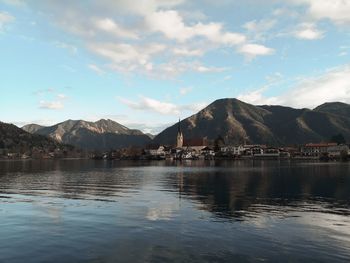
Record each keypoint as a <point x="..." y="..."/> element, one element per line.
<point x="233" y="150"/>
<point x="269" y="152"/>
<point x="190" y="154"/>
<point x="337" y="151"/>
<point x="208" y="152"/>
<point x="253" y="149"/>
<point x="316" y="149"/>
<point x="157" y="152"/>
<point x="290" y="152"/>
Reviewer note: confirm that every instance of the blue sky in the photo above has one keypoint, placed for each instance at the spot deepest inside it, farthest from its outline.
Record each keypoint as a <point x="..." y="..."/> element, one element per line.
<point x="146" y="63"/>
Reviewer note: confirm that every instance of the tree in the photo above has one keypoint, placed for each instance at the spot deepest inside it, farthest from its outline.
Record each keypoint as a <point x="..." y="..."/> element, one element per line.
<point x="344" y="155"/>
<point x="218" y="143"/>
<point x="339" y="139"/>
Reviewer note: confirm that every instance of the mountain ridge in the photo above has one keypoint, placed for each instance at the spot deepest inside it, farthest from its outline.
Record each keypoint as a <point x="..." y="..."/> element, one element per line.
<point x="240" y="122"/>
<point x="337" y="108"/>
<point x="103" y="134"/>
<point x="236" y="121"/>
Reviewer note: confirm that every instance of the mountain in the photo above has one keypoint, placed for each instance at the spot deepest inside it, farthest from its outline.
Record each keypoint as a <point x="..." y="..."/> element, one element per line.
<point x="337" y="108"/>
<point x="150" y="135"/>
<point x="32" y="128"/>
<point x="99" y="135"/>
<point x="240" y="122"/>
<point x="14" y="139"/>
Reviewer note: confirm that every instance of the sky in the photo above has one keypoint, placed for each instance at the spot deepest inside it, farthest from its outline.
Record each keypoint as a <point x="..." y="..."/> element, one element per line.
<point x="146" y="63"/>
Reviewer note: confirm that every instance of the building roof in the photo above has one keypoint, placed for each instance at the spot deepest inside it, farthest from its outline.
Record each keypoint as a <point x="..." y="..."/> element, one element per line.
<point x="322" y="144"/>
<point x="195" y="142"/>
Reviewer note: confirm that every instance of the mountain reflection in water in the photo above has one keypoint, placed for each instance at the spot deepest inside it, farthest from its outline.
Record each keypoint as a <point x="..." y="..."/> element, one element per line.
<point x="192" y="211"/>
<point x="241" y="191"/>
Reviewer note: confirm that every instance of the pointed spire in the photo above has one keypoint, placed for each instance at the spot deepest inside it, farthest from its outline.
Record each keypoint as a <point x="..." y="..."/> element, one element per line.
<point x="179" y="137"/>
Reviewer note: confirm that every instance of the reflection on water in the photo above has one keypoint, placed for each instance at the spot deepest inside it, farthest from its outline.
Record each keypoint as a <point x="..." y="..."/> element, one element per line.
<point x="96" y="211"/>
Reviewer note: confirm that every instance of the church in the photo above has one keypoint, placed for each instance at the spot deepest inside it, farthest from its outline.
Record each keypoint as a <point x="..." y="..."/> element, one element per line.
<point x="196" y="144"/>
<point x="179" y="137"/>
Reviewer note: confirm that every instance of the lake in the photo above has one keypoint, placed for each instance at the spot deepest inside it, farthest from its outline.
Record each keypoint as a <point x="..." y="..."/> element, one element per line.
<point x="191" y="211"/>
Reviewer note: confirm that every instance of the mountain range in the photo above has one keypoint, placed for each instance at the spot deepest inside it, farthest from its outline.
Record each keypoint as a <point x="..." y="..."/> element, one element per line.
<point x="99" y="135"/>
<point x="235" y="121"/>
<point x="239" y="122"/>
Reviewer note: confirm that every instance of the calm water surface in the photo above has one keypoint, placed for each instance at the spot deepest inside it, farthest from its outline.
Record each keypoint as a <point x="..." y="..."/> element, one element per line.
<point x="96" y="211"/>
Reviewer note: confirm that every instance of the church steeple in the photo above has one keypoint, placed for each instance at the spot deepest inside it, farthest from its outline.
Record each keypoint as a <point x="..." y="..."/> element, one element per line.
<point x="179" y="138"/>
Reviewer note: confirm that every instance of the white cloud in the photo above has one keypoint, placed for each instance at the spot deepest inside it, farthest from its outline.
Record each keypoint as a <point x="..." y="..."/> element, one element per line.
<point x="96" y="68"/>
<point x="286" y="12"/>
<point x="204" y="69"/>
<point x="308" y="31"/>
<point x="160" y="107"/>
<point x="126" y="57"/>
<point x="175" y="67"/>
<point x="5" y="18"/>
<point x="335" y="10"/>
<point x="193" y="15"/>
<point x="188" y="52"/>
<point x="108" y="25"/>
<point x="332" y="86"/>
<point x="149" y="104"/>
<point x="253" y="50"/>
<point x="50" y="99"/>
<point x="261" y="25"/>
<point x="146" y="38"/>
<point x="259" y="28"/>
<point x="194" y="107"/>
<point x="171" y="24"/>
<point x="51" y="105"/>
<point x="128" y="53"/>
<point x="185" y="90"/>
<point x="256" y="97"/>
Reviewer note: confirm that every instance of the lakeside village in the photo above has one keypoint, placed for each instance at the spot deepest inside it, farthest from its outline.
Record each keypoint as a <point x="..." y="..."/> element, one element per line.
<point x="194" y="149"/>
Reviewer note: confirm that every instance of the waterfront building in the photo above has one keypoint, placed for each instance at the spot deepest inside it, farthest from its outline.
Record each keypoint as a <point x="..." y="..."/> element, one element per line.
<point x="337" y="151"/>
<point x="316" y="149"/>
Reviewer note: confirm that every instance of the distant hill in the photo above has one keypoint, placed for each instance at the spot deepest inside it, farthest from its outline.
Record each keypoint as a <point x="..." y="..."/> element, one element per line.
<point x="32" y="128"/>
<point x="100" y="135"/>
<point x="240" y="122"/>
<point x="14" y="139"/>
<point x="337" y="108"/>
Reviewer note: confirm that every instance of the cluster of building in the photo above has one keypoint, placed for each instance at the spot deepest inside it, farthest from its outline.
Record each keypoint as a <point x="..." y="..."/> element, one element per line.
<point x="39" y="153"/>
<point x="204" y="149"/>
<point x="325" y="151"/>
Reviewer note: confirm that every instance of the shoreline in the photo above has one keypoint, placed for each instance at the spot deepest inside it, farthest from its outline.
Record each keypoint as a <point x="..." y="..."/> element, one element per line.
<point x="314" y="159"/>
